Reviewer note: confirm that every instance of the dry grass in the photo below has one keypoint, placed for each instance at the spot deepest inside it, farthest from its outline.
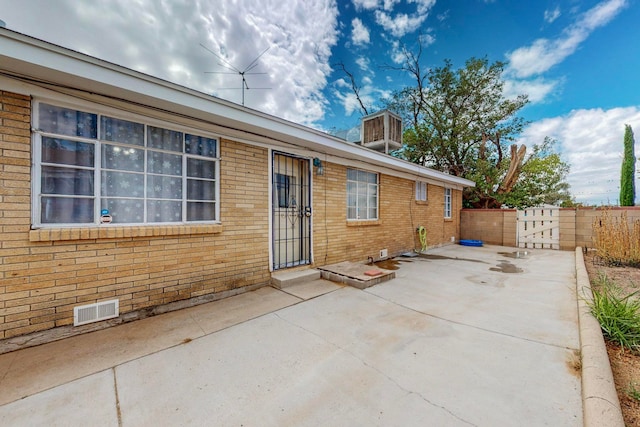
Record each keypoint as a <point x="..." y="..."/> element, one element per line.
<point x="616" y="239"/>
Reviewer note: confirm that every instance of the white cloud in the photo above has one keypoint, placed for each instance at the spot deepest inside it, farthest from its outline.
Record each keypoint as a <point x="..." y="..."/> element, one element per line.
<point x="366" y="4"/>
<point x="543" y="54"/>
<point x="359" y="33"/>
<point x="537" y="89"/>
<point x="162" y="39"/>
<point x="364" y="63"/>
<point x="591" y="141"/>
<point x="397" y="24"/>
<point x="551" y="15"/>
<point x="400" y="24"/>
<point x="397" y="56"/>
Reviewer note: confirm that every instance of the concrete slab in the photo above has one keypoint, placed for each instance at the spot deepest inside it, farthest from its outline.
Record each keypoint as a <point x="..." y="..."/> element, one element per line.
<point x="537" y="301"/>
<point x="87" y="401"/>
<point x="448" y="342"/>
<point x="298" y="379"/>
<point x="312" y="289"/>
<point x="35" y="369"/>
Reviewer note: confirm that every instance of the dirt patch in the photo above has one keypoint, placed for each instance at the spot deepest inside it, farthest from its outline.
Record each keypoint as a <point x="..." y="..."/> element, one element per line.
<point x="624" y="364"/>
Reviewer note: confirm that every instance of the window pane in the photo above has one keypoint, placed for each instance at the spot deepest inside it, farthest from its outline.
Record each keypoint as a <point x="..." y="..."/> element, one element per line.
<point x="164" y="138"/>
<point x="124" y="211"/>
<point x="352" y="174"/>
<point x="164" y="187"/>
<point x="65" y="152"/>
<point x="122" y="184"/>
<point x="201" y="190"/>
<point x="200" y="145"/>
<point x="75" y="182"/>
<point x="164" y="211"/>
<point x="164" y="163"/>
<point x="351" y="213"/>
<point x="122" y="131"/>
<point x="122" y="158"/>
<point x="201" y="168"/>
<point x="372" y="178"/>
<point x="373" y="213"/>
<point x="66" y="210"/>
<point x="65" y="121"/>
<point x="282" y="187"/>
<point x="198" y="211"/>
<point x="352" y="193"/>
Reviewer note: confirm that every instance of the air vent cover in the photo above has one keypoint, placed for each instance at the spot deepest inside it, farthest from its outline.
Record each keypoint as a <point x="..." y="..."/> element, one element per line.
<point x="90" y="313"/>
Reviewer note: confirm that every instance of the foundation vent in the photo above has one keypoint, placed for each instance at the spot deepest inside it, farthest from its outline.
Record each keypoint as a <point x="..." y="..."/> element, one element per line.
<point x="90" y="313"/>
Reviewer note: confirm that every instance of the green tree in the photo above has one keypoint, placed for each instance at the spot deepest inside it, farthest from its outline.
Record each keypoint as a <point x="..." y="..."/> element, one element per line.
<point x="460" y="122"/>
<point x="627" y="178"/>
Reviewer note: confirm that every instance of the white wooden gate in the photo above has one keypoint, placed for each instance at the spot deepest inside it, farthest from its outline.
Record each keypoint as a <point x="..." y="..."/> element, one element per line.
<point x="539" y="227"/>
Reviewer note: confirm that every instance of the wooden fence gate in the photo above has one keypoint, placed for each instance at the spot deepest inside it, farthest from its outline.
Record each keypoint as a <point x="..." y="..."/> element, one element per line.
<point x="539" y="228"/>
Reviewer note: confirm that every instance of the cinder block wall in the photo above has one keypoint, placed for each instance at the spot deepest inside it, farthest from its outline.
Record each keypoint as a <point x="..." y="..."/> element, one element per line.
<point x="492" y="226"/>
<point x="399" y="216"/>
<point x="586" y="216"/>
<point x="567" y="229"/>
<point x="499" y="226"/>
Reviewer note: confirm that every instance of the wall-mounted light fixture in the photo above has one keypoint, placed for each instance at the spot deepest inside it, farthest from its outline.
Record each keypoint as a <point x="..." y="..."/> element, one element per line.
<point x="318" y="164"/>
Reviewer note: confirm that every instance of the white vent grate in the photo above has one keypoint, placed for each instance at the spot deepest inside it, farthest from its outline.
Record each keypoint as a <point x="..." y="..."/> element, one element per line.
<point x="95" y="312"/>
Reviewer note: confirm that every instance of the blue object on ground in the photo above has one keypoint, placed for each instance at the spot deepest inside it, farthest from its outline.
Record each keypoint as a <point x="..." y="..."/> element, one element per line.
<point x="465" y="242"/>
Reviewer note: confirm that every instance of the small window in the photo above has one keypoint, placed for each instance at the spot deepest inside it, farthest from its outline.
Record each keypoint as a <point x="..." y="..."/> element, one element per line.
<point x="447" y="203"/>
<point x="421" y="191"/>
<point x="362" y="195"/>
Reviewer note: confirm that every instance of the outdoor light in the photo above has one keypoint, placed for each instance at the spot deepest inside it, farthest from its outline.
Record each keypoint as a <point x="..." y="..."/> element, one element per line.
<point x="318" y="164"/>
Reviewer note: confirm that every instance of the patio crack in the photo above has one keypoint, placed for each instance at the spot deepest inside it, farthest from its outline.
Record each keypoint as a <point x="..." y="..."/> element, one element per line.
<point x="376" y="369"/>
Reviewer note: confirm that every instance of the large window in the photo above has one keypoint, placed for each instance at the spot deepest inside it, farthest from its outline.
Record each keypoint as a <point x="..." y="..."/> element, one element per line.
<point x="90" y="166"/>
<point x="447" y="203"/>
<point x="362" y="195"/>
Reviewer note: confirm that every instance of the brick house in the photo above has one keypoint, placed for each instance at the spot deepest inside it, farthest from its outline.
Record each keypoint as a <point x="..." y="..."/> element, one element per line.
<point x="118" y="186"/>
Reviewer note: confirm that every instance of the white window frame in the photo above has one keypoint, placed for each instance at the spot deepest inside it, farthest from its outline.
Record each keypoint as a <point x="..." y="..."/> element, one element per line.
<point x="38" y="134"/>
<point x="421" y="191"/>
<point x="370" y="189"/>
<point x="447" y="203"/>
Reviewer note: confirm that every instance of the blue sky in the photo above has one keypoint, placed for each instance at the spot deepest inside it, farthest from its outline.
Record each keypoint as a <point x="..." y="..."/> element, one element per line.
<point x="578" y="60"/>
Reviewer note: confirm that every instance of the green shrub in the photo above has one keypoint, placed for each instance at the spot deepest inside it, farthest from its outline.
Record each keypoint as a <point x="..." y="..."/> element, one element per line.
<point x="618" y="315"/>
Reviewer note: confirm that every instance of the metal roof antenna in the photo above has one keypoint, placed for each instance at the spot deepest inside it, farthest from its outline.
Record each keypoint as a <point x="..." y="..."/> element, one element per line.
<point x="234" y="70"/>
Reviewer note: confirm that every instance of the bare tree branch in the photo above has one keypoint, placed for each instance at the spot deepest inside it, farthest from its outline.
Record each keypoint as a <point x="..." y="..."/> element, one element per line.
<point x="354" y="86"/>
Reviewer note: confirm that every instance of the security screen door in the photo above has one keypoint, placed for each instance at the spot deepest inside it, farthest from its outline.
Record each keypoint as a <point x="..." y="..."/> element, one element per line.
<point x="291" y="210"/>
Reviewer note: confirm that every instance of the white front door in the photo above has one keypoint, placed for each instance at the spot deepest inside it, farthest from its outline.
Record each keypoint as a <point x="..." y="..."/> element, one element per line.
<point x="291" y="211"/>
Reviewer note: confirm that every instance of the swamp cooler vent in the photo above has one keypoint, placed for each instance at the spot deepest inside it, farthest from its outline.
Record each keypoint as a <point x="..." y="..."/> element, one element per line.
<point x="95" y="312"/>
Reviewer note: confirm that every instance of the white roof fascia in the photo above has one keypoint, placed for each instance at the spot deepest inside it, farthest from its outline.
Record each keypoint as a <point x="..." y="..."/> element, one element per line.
<point x="38" y="60"/>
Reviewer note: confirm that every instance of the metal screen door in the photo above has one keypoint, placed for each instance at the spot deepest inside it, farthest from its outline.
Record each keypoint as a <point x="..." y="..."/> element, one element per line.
<point x="291" y="210"/>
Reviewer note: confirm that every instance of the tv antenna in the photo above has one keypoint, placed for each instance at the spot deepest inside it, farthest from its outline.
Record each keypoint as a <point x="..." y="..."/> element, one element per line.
<point x="234" y="70"/>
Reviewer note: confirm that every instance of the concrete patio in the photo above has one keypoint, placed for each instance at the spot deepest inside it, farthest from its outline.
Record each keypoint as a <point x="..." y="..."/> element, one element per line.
<point x="462" y="336"/>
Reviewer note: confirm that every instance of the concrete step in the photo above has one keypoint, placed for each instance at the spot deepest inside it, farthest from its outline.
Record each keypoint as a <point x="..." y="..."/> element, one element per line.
<point x="284" y="279"/>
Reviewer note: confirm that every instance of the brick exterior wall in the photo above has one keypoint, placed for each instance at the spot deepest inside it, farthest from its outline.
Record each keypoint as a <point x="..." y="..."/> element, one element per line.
<point x="336" y="239"/>
<point x="45" y="273"/>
